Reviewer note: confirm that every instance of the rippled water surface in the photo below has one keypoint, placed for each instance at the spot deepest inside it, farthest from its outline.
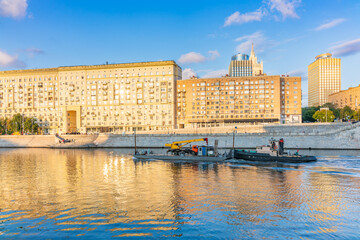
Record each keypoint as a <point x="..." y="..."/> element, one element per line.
<point x="102" y="194"/>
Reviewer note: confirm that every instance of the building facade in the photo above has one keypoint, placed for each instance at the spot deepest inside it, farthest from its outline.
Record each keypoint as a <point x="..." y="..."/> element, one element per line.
<point x="350" y="97"/>
<point x="230" y="100"/>
<point x="100" y="98"/>
<point x="324" y="78"/>
<point x="242" y="65"/>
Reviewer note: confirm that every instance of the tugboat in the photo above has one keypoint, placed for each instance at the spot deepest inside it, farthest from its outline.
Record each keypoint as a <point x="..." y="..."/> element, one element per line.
<point x="272" y="153"/>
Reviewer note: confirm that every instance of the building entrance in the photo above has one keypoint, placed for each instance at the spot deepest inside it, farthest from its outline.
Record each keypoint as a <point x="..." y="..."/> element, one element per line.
<point x="71" y="122"/>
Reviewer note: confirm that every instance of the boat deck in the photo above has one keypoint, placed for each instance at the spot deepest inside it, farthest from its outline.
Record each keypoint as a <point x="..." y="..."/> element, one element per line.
<point x="180" y="158"/>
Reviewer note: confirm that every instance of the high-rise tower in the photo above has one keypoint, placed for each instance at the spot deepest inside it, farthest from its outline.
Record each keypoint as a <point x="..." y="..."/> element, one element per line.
<point x="324" y="78"/>
<point x="242" y="65"/>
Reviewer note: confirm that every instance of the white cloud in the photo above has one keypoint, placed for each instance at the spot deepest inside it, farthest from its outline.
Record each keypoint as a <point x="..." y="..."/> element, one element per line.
<point x="259" y="40"/>
<point x="285" y="7"/>
<point x="346" y="48"/>
<point x="188" y="73"/>
<point x="237" y="18"/>
<point x="6" y="60"/>
<point x="330" y="24"/>
<point x="194" y="57"/>
<point x="13" y="8"/>
<point x="191" y="57"/>
<point x="213" y="54"/>
<point x="216" y="73"/>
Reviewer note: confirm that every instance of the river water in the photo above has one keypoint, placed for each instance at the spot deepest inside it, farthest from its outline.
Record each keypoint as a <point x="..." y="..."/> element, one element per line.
<point x="102" y="194"/>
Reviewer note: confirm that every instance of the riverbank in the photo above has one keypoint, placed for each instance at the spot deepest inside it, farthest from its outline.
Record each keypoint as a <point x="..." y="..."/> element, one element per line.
<point x="340" y="137"/>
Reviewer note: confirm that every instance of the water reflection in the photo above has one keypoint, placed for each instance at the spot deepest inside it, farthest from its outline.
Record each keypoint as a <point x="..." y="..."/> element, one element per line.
<point x="104" y="193"/>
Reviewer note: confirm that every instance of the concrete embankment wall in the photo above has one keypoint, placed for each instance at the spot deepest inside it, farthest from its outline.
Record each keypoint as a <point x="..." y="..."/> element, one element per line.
<point x="343" y="136"/>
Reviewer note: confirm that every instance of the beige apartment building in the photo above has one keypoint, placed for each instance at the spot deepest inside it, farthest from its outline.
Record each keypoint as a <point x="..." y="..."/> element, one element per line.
<point x="324" y="78"/>
<point x="229" y="100"/>
<point x="350" y="97"/>
<point x="93" y="99"/>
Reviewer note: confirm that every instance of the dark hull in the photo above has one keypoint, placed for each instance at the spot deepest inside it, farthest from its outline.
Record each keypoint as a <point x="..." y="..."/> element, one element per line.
<point x="180" y="158"/>
<point x="263" y="157"/>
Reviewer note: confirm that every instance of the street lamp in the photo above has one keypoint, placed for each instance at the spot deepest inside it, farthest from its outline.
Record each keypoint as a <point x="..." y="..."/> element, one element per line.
<point x="234" y="141"/>
<point x="135" y="152"/>
<point x="326" y="109"/>
<point x="356" y="106"/>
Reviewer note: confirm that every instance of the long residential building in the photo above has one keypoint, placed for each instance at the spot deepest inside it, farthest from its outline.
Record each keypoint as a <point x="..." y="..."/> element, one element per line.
<point x="144" y="96"/>
<point x="349" y="97"/>
<point x="99" y="98"/>
<point x="230" y="100"/>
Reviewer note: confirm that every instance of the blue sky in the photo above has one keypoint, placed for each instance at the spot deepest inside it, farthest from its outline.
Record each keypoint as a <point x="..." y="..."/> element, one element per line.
<point x="201" y="36"/>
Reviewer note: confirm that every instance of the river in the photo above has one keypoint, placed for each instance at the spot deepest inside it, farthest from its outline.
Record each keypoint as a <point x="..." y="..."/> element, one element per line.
<point x="103" y="193"/>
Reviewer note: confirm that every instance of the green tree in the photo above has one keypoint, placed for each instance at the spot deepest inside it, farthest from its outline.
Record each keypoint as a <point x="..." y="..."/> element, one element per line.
<point x="332" y="107"/>
<point x="324" y="116"/>
<point x="346" y="113"/>
<point x="16" y="123"/>
<point x="2" y="126"/>
<point x="356" y="115"/>
<point x="30" y="125"/>
<point x="308" y="113"/>
<point x="7" y="126"/>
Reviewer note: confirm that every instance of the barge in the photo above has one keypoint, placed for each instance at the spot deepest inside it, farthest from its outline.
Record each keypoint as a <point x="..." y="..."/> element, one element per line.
<point x="178" y="152"/>
<point x="181" y="158"/>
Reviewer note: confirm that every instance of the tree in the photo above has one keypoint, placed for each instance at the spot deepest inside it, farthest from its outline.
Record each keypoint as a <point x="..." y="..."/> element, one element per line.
<point x="3" y="126"/>
<point x="324" y="116"/>
<point x="308" y="113"/>
<point x="346" y="113"/>
<point x="356" y="115"/>
<point x="16" y="123"/>
<point x="7" y="125"/>
<point x="30" y="125"/>
<point x="332" y="107"/>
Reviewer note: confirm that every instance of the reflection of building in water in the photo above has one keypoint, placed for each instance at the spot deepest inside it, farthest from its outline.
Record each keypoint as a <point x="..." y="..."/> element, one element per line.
<point x="95" y="188"/>
<point x="46" y="182"/>
<point x="251" y="191"/>
<point x="326" y="204"/>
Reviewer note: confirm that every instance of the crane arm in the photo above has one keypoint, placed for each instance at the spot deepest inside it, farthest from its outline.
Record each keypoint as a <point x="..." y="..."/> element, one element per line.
<point x="180" y="144"/>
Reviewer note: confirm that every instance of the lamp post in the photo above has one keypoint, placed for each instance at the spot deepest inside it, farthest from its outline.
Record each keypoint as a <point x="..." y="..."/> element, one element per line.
<point x="326" y="110"/>
<point x="356" y="106"/>
<point x="22" y="119"/>
<point x="233" y="147"/>
<point x="135" y="139"/>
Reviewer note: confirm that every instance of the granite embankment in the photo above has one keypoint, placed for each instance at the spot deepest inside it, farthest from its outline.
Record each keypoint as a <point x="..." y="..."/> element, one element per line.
<point x="325" y="136"/>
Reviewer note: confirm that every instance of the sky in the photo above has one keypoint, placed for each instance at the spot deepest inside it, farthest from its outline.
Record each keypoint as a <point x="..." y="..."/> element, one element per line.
<point x="201" y="36"/>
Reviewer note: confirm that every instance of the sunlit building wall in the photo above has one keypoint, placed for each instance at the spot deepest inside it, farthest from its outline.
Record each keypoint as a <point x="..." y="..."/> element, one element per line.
<point x="222" y="101"/>
<point x="349" y="97"/>
<point x="93" y="99"/>
<point x="324" y="78"/>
